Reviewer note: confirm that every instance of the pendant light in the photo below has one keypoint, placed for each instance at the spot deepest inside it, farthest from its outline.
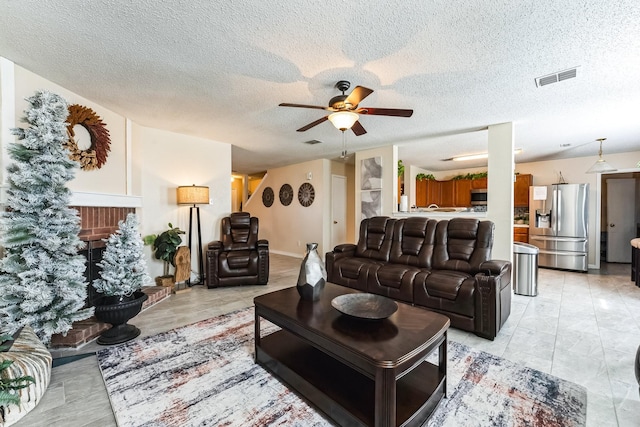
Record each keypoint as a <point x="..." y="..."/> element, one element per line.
<point x="601" y="166"/>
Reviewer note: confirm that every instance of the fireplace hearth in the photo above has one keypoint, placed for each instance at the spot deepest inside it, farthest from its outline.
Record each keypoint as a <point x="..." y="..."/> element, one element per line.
<point x="98" y="223"/>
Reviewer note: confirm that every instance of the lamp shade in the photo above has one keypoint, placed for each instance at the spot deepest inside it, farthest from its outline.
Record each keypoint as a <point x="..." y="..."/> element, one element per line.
<point x="192" y="195"/>
<point x="343" y="120"/>
<point x="601" y="166"/>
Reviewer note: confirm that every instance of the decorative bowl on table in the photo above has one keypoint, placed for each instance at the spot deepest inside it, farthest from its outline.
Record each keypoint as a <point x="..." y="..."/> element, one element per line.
<point x="365" y="306"/>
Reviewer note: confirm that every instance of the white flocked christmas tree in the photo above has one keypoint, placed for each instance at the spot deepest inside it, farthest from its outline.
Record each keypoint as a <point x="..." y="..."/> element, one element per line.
<point x="42" y="280"/>
<point x="124" y="269"/>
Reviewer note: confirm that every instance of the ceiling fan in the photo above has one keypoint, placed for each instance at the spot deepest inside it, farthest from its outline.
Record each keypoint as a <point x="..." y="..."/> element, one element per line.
<point x="345" y="111"/>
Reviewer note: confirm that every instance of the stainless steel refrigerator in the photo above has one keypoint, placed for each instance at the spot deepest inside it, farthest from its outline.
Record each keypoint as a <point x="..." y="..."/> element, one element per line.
<point x="558" y="225"/>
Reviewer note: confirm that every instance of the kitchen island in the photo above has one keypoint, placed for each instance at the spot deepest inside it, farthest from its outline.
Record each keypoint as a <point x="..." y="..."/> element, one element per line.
<point x="442" y="213"/>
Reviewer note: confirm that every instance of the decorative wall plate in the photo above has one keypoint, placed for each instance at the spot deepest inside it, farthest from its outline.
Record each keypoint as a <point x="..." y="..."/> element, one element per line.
<point x="286" y="194"/>
<point x="268" y="197"/>
<point x="96" y="155"/>
<point x="306" y="194"/>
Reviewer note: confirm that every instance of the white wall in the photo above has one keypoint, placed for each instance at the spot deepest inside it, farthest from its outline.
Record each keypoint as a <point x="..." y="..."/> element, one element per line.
<point x="169" y="160"/>
<point x="290" y="228"/>
<point x="500" y="188"/>
<point x="112" y="177"/>
<point x="144" y="162"/>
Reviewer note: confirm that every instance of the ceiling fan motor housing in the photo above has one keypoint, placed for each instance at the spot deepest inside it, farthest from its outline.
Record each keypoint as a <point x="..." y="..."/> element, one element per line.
<point x="338" y="103"/>
<point x="343" y="86"/>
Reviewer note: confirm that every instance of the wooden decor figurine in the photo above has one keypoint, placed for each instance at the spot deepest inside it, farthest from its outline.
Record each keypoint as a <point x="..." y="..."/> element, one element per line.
<point x="182" y="262"/>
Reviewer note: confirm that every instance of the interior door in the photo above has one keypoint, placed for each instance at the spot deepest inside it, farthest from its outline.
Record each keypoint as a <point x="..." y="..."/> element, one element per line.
<point x="620" y="218"/>
<point x="338" y="210"/>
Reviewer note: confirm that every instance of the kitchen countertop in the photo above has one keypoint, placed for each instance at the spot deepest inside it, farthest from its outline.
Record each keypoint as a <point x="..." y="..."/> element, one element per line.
<point x="441" y="214"/>
<point x="521" y="225"/>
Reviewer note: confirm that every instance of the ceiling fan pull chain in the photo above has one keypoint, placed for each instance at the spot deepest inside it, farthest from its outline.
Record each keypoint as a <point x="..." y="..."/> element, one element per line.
<point x="344" y="146"/>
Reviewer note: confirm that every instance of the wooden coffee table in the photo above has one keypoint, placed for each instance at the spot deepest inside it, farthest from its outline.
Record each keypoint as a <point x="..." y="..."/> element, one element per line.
<point x="357" y="372"/>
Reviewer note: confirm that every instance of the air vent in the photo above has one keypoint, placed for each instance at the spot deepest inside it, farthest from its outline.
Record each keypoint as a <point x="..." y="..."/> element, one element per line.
<point x="557" y="77"/>
<point x="313" y="142"/>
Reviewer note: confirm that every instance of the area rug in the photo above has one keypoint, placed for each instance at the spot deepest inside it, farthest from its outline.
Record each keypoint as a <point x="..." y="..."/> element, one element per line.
<point x="204" y="375"/>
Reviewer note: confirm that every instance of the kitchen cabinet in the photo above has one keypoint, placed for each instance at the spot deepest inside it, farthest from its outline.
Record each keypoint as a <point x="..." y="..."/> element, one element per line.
<point x="479" y="183"/>
<point x="521" y="190"/>
<point x="462" y="193"/>
<point x="521" y="234"/>
<point x="421" y="192"/>
<point x="428" y="191"/>
<point x="451" y="193"/>
<point x="447" y="193"/>
<point x="433" y="192"/>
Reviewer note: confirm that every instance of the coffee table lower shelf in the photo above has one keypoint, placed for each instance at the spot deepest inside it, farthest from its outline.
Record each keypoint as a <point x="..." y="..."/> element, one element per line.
<point x="343" y="393"/>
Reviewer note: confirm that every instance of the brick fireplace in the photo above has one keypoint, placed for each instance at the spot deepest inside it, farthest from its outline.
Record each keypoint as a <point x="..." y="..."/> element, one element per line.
<point x="97" y="223"/>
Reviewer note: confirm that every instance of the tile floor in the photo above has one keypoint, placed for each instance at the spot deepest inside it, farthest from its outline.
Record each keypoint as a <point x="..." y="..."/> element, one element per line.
<point x="581" y="327"/>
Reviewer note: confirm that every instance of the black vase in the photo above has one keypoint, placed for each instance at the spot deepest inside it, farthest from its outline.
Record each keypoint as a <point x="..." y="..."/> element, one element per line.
<point x="117" y="311"/>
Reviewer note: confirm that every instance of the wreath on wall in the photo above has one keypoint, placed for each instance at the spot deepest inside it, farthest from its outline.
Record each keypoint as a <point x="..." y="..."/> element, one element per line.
<point x="96" y="155"/>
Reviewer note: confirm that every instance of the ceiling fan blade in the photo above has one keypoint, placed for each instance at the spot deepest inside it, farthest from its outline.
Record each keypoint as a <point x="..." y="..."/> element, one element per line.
<point x="358" y="129"/>
<point x="358" y="94"/>
<point x="312" y="124"/>
<point x="396" y="112"/>
<point x="317" y="107"/>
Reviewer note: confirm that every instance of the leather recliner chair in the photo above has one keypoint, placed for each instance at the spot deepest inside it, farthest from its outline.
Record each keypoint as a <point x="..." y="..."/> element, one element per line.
<point x="240" y="258"/>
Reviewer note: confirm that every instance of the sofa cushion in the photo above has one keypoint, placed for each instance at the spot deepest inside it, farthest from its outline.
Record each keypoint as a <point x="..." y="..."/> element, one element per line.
<point x="445" y="284"/>
<point x="462" y="244"/>
<point x="353" y="272"/>
<point x="375" y="238"/>
<point x="447" y="291"/>
<point x="413" y="242"/>
<point x="393" y="280"/>
<point x="238" y="259"/>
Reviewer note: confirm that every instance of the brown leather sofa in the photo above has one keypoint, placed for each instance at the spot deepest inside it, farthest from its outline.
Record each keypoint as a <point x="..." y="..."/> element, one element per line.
<point x="240" y="258"/>
<point x="443" y="266"/>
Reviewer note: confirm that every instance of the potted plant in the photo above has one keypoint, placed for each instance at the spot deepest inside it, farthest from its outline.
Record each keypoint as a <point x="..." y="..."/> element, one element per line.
<point x="423" y="176"/>
<point x="165" y="246"/>
<point x="9" y="386"/>
<point x="124" y="271"/>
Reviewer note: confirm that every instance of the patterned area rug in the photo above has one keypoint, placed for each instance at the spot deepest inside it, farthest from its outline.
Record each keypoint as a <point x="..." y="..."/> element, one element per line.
<point x="204" y="375"/>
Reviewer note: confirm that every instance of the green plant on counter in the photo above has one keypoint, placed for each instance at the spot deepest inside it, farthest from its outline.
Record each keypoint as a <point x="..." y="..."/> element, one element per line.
<point x="423" y="176"/>
<point x="477" y="175"/>
<point x="400" y="168"/>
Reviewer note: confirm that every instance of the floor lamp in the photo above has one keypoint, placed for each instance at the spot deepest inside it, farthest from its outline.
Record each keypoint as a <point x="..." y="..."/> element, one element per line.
<point x="194" y="195"/>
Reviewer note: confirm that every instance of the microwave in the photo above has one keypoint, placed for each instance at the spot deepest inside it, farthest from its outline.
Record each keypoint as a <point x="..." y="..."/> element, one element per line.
<point x="479" y="197"/>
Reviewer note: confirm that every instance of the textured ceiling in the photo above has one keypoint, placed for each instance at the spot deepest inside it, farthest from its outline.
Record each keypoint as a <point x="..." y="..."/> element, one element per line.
<point x="218" y="70"/>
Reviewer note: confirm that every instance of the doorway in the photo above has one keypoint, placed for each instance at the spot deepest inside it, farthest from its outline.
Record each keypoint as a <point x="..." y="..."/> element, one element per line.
<point x="338" y="210"/>
<point x="619" y="215"/>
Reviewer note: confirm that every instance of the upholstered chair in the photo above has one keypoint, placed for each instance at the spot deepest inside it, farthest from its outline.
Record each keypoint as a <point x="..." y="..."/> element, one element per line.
<point x="240" y="258"/>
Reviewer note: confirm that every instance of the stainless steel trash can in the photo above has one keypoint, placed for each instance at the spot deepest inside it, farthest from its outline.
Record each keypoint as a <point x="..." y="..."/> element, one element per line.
<point x="525" y="269"/>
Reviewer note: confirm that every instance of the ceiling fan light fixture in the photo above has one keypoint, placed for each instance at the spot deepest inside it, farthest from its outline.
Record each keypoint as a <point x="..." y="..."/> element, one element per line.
<point x="601" y="166"/>
<point x="343" y="120"/>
